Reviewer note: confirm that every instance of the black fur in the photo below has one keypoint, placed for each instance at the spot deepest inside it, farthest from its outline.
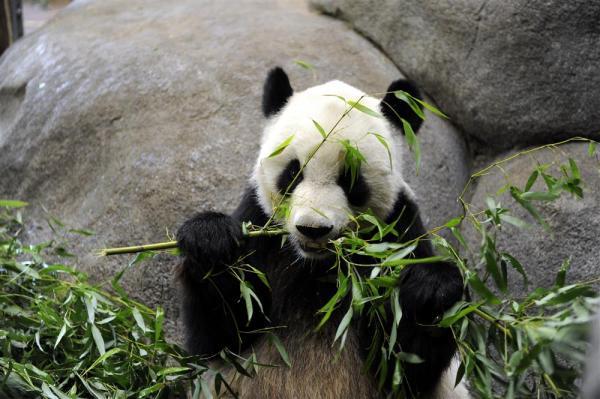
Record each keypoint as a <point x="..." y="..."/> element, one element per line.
<point x="393" y="108"/>
<point x="426" y="292"/>
<point x="211" y="309"/>
<point x="285" y="179"/>
<point x="357" y="193"/>
<point x="276" y="91"/>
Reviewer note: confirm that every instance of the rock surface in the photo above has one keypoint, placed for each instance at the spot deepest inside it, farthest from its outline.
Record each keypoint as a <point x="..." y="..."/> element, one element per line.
<point x="125" y="118"/>
<point x="508" y="72"/>
<point x="574" y="224"/>
<point x="444" y="171"/>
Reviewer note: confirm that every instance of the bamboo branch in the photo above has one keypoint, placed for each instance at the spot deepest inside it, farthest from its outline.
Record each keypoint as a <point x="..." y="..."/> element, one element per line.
<point x="173" y="244"/>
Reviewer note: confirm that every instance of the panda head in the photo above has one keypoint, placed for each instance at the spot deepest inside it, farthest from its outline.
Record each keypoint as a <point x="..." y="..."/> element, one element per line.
<point x="322" y="199"/>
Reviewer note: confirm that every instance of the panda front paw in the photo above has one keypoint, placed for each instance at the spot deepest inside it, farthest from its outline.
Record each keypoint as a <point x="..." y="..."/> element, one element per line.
<point x="427" y="291"/>
<point x="209" y="240"/>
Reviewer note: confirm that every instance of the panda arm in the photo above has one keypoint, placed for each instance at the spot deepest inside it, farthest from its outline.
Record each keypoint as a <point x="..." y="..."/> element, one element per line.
<point x="213" y="311"/>
<point x="426" y="291"/>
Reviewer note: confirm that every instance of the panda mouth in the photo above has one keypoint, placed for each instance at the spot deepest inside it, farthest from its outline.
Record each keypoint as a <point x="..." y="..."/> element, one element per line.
<point x="311" y="249"/>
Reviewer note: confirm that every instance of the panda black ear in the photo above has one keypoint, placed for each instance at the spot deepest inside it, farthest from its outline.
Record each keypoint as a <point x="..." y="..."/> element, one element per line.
<point x="394" y="108"/>
<point x="276" y="91"/>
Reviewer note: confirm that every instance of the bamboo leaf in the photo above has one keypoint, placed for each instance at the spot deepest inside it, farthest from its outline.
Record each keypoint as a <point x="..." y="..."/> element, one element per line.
<point x="408" y="99"/>
<point x="281" y="147"/>
<point x="281" y="349"/>
<point x="385" y="144"/>
<point x="12" y="203"/>
<point x="344" y="324"/>
<point x="98" y="339"/>
<point x="363" y="108"/>
<point x="304" y="64"/>
<point x="413" y="143"/>
<point x="320" y="129"/>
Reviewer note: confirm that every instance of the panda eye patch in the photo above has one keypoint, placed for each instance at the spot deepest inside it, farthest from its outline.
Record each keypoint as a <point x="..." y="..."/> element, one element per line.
<point x="286" y="178"/>
<point x="357" y="193"/>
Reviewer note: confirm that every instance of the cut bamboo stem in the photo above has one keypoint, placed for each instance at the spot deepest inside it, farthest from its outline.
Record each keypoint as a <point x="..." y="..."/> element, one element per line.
<point x="160" y="246"/>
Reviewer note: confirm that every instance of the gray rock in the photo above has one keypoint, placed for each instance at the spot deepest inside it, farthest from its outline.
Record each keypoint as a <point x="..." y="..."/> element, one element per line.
<point x="508" y="72"/>
<point x="445" y="169"/>
<point x="125" y="118"/>
<point x="573" y="224"/>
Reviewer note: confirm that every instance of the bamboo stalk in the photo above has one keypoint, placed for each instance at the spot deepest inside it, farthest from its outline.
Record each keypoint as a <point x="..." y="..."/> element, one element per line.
<point x="173" y="244"/>
<point x="138" y="248"/>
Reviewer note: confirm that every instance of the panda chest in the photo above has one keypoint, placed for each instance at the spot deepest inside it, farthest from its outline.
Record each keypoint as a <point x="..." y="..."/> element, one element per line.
<point x="318" y="369"/>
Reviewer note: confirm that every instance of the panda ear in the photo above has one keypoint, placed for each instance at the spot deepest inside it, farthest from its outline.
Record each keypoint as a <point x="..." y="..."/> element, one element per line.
<point x="276" y="91"/>
<point x="394" y="108"/>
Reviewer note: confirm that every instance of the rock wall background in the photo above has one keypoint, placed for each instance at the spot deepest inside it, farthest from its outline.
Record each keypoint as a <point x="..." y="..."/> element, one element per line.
<point x="126" y="117"/>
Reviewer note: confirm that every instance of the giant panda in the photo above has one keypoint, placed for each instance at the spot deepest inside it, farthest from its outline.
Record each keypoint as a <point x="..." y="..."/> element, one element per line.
<point x="322" y="201"/>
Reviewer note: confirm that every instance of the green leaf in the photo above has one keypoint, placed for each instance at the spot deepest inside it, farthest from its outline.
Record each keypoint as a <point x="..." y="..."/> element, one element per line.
<point x="279" y="149"/>
<point x="478" y="286"/>
<point x="516" y="194"/>
<point x="408" y="99"/>
<point x="304" y="64"/>
<point x="413" y="143"/>
<point x="454" y="222"/>
<point x="343" y="326"/>
<point x="395" y="258"/>
<point x="281" y="349"/>
<point x="514" y="221"/>
<point x="539" y="196"/>
<point x="575" y="174"/>
<point x="172" y="370"/>
<point x="458" y="312"/>
<point x="410" y="358"/>
<point x="12" y="203"/>
<point x="515" y="265"/>
<point x="139" y="319"/>
<point x="591" y="148"/>
<point x="397" y="376"/>
<point x="320" y="129"/>
<point x="61" y="334"/>
<point x="151" y="389"/>
<point x="363" y="108"/>
<point x="561" y="276"/>
<point x="531" y="180"/>
<point x="98" y="339"/>
<point x="102" y="358"/>
<point x="384" y="143"/>
<point x="431" y="108"/>
<point x="245" y="292"/>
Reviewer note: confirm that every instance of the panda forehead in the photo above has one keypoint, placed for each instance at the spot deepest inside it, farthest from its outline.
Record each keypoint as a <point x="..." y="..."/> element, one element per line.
<point x="321" y="104"/>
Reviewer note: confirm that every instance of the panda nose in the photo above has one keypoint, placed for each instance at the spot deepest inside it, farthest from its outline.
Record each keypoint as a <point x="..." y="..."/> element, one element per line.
<point x="314" y="232"/>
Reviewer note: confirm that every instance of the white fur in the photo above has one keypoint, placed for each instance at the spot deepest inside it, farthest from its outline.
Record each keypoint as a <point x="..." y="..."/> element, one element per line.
<point x="318" y="200"/>
<point x="446" y="389"/>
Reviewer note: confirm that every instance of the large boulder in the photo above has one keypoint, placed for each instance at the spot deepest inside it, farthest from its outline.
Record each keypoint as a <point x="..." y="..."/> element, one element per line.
<point x="508" y="72"/>
<point x="443" y="173"/>
<point x="573" y="224"/>
<point x="126" y="117"/>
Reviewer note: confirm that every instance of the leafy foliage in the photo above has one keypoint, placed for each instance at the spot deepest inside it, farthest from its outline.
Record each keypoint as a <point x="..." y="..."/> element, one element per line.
<point x="62" y="337"/>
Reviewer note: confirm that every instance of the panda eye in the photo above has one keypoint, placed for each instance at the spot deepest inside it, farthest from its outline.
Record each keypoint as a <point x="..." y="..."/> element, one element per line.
<point x="286" y="178"/>
<point x="357" y="193"/>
